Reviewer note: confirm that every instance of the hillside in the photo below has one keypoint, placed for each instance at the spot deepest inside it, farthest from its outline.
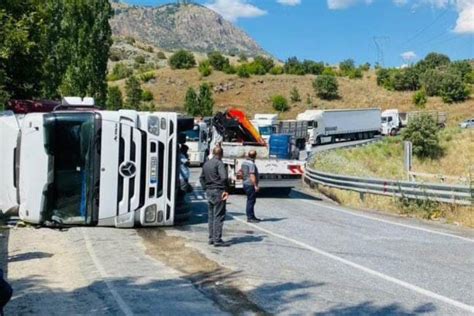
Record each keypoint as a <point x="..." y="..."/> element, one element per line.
<point x="171" y="27"/>
<point x="253" y="94"/>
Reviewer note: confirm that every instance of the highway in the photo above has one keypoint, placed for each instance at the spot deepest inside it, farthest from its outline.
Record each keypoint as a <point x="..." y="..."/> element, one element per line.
<point x="306" y="257"/>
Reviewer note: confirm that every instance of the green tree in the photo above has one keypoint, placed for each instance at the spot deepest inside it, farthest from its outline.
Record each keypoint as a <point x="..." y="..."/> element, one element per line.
<point x="433" y="61"/>
<point x="423" y="131"/>
<point x="266" y="62"/>
<point x="205" y="68"/>
<point x="218" y="61"/>
<point x="405" y="79"/>
<point x="453" y="88"/>
<point x="326" y="87"/>
<point x="280" y="103"/>
<point x="431" y="81"/>
<point x="86" y="42"/>
<point x="277" y="70"/>
<point x="294" y="67"/>
<point x="346" y="66"/>
<point x="383" y="77"/>
<point x="312" y="67"/>
<point x="134" y="92"/>
<point x="205" y="100"/>
<point x="114" y="98"/>
<point x="295" y="95"/>
<point x="191" y="104"/>
<point x="419" y="98"/>
<point x="120" y="71"/>
<point x="182" y="59"/>
<point x="201" y="104"/>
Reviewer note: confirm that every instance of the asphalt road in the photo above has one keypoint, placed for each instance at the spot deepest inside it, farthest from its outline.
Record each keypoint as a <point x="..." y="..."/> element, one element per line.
<point x="308" y="256"/>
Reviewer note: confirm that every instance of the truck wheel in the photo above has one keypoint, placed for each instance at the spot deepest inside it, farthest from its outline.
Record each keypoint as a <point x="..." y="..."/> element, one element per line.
<point x="393" y="132"/>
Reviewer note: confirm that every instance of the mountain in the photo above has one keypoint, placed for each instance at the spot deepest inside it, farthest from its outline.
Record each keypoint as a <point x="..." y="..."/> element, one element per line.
<point x="182" y="26"/>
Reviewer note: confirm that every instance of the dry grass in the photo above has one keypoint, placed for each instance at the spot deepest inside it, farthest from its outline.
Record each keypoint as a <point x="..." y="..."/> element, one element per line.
<point x="385" y="159"/>
<point x="253" y="94"/>
<point x="453" y="214"/>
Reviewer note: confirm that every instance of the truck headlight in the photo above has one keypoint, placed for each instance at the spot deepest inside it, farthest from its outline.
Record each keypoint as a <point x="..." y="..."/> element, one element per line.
<point x="154" y="125"/>
<point x="150" y="214"/>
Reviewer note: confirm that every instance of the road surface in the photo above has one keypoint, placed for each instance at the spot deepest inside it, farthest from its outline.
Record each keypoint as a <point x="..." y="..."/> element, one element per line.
<point x="306" y="257"/>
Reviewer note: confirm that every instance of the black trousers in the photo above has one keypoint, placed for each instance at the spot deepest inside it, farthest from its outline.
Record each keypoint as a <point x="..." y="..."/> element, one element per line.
<point x="216" y="214"/>
<point x="251" y="200"/>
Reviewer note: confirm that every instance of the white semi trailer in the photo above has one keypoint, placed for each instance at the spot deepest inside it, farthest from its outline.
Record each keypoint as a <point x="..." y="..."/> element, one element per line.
<point x="393" y="120"/>
<point x="328" y="126"/>
<point x="79" y="165"/>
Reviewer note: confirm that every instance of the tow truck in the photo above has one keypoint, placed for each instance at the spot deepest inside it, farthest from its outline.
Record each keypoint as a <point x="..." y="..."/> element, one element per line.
<point x="79" y="165"/>
<point x="235" y="133"/>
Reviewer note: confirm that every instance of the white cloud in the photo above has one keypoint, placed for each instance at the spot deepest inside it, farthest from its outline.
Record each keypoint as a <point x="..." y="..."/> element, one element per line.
<point x="344" y="4"/>
<point x="289" y="2"/>
<point x="408" y="56"/>
<point x="234" y="9"/>
<point x="465" y="21"/>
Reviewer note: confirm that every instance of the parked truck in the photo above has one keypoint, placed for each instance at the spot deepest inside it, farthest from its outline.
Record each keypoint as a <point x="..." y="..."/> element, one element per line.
<point x="197" y="140"/>
<point x="266" y="124"/>
<point x="328" y="126"/>
<point x="237" y="136"/>
<point x="393" y="120"/>
<point x="78" y="165"/>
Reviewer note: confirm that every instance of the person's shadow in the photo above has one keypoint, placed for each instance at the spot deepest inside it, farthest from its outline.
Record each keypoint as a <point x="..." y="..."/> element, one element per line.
<point x="245" y="239"/>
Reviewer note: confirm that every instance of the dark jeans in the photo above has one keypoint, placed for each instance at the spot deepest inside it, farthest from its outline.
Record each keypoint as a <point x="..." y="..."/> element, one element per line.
<point x="216" y="214"/>
<point x="251" y="200"/>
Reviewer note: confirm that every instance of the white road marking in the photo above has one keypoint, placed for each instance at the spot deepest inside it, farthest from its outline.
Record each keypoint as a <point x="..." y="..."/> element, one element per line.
<point x="385" y="277"/>
<point x="121" y="303"/>
<point x="388" y="222"/>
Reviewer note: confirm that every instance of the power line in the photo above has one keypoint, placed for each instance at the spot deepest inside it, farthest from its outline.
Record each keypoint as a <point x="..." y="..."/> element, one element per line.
<point x="425" y="28"/>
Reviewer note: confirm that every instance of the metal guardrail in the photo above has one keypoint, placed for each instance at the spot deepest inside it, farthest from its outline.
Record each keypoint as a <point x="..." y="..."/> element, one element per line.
<point x="455" y="194"/>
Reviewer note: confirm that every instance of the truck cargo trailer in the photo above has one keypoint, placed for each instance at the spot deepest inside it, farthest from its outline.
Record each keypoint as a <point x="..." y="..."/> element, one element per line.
<point x="328" y="126"/>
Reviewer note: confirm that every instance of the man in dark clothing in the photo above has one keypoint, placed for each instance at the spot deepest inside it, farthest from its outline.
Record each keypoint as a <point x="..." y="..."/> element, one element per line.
<point x="250" y="177"/>
<point x="5" y="292"/>
<point x="214" y="180"/>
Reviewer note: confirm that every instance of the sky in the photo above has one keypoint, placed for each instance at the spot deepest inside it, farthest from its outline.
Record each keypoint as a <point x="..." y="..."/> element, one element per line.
<point x="392" y="32"/>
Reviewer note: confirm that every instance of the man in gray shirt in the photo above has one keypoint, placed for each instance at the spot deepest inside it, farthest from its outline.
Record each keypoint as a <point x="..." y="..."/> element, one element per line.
<point x="250" y="177"/>
<point x="214" y="180"/>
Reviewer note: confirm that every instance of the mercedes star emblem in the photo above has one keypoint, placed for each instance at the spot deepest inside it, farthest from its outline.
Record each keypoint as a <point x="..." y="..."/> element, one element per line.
<point x="127" y="169"/>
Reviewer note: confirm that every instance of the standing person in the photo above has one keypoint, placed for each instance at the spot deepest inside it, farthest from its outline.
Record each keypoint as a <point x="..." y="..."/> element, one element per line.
<point x="309" y="149"/>
<point x="214" y="180"/>
<point x="250" y="177"/>
<point x="5" y="292"/>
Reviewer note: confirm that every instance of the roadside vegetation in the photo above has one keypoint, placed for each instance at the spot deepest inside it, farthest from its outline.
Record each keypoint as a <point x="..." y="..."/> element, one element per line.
<point x="384" y="159"/>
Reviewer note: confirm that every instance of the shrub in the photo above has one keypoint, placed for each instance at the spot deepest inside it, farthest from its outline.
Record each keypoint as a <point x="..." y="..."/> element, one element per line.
<point x="326" y="87"/>
<point x="277" y="70"/>
<point x="147" y="96"/>
<point x="191" y="102"/>
<point x="365" y="67"/>
<point x="433" y="61"/>
<point x="420" y="98"/>
<point x="182" y="60"/>
<point x="280" y="103"/>
<point x="147" y="76"/>
<point x="242" y="58"/>
<point x="463" y="68"/>
<point x="217" y="61"/>
<point x="140" y="59"/>
<point x="242" y="71"/>
<point x="230" y="70"/>
<point x="383" y="77"/>
<point x="265" y="62"/>
<point x="329" y="71"/>
<point x="405" y="79"/>
<point x="134" y="92"/>
<point x="312" y="67"/>
<point x="255" y="68"/>
<point x="346" y="66"/>
<point x="120" y="71"/>
<point x="295" y="95"/>
<point x="294" y="67"/>
<point x="205" y="68"/>
<point x="453" y="89"/>
<point x="114" y="99"/>
<point x="161" y="55"/>
<point x="355" y="73"/>
<point x="422" y="131"/>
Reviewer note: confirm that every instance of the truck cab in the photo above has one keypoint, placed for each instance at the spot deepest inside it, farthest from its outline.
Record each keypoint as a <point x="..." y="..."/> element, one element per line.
<point x="197" y="140"/>
<point x="265" y="124"/>
<point x="390" y="122"/>
<point x="78" y="165"/>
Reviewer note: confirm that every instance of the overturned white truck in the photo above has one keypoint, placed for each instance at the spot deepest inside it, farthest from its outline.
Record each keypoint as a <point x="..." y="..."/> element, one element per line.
<point x="78" y="165"/>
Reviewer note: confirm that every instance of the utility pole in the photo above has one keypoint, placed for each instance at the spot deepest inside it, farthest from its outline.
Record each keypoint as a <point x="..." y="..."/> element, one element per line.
<point x="380" y="44"/>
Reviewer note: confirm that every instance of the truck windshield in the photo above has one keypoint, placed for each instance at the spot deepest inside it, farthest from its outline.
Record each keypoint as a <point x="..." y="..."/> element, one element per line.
<point x="193" y="135"/>
<point x="70" y="142"/>
<point x="265" y="130"/>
